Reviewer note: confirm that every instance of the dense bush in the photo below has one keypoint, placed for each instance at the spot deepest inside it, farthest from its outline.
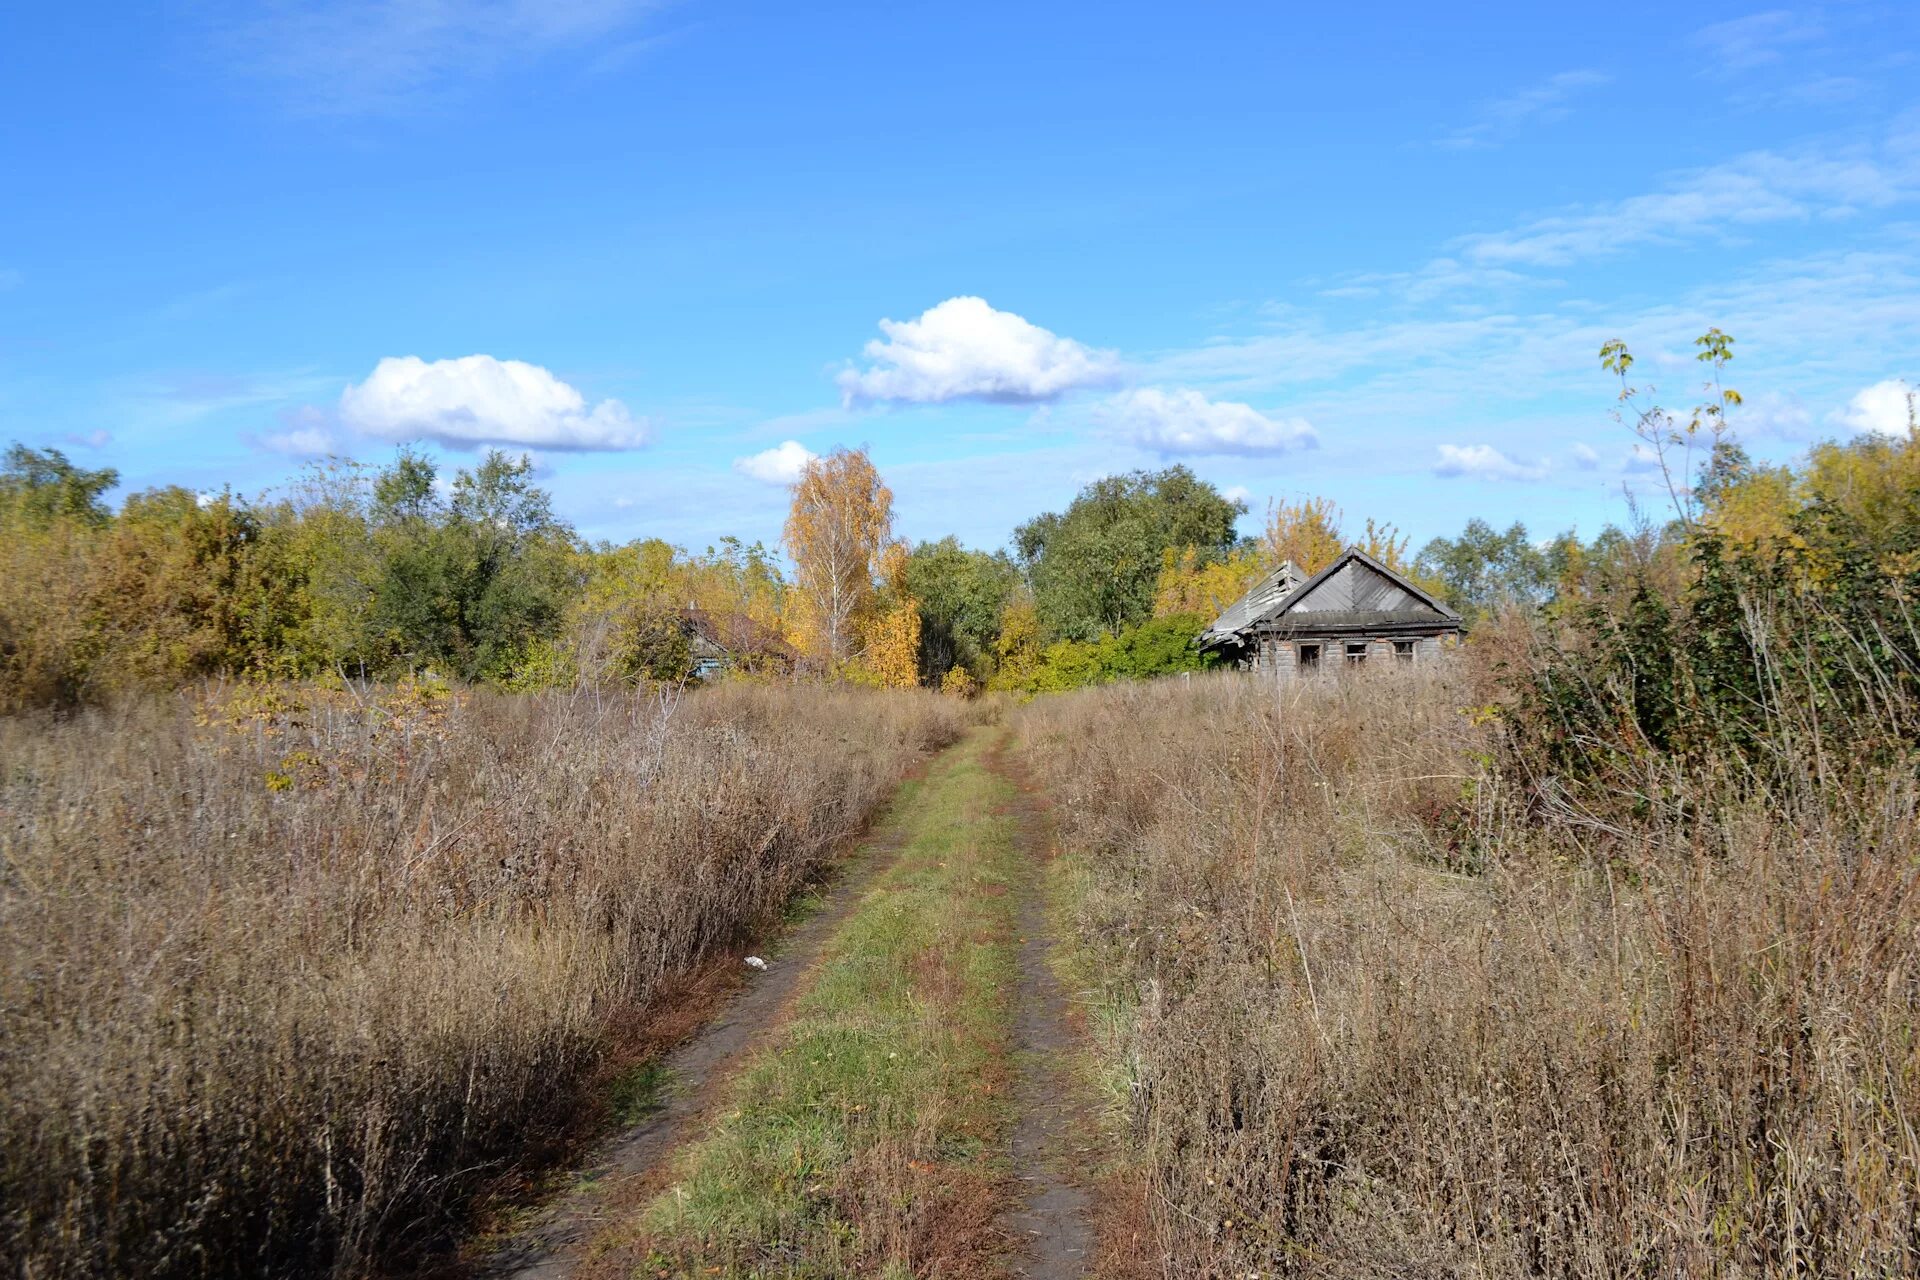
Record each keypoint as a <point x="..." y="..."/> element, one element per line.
<point x="1778" y="643"/>
<point x="1156" y="647"/>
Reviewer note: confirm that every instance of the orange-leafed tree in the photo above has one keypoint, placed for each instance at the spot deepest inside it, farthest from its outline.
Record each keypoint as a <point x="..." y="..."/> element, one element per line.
<point x="839" y="524"/>
<point x="1306" y="532"/>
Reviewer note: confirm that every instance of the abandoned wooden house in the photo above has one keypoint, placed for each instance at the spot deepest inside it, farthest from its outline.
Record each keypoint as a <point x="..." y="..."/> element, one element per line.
<point x="1353" y="612"/>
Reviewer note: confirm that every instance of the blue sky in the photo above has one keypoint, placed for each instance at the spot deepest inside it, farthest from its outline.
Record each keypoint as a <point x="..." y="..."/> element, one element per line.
<point x="1366" y="252"/>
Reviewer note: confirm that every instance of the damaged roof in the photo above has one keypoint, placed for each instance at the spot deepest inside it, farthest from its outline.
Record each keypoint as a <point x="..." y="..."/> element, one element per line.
<point x="1355" y="592"/>
<point x="1248" y="609"/>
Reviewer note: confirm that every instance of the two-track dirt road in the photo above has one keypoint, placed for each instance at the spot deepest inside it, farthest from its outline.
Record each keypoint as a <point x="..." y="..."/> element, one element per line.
<point x="967" y="844"/>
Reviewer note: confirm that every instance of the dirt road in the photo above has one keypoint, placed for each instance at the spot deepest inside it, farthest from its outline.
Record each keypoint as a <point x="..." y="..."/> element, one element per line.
<point x="934" y="945"/>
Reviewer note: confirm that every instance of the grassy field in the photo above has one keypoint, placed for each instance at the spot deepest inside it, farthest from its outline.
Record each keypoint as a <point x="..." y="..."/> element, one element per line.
<point x="287" y="976"/>
<point x="1363" y="1012"/>
<point x="863" y="1141"/>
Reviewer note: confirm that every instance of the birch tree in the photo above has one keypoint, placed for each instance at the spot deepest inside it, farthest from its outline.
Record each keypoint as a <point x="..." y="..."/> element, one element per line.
<point x="840" y="522"/>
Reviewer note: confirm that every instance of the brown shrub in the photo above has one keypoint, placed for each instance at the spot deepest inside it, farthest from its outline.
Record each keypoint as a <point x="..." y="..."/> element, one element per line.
<point x="1682" y="1046"/>
<point x="283" y="982"/>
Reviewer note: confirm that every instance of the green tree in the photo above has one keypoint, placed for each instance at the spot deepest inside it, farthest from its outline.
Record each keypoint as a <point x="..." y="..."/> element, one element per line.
<point x="514" y="560"/>
<point x="471" y="583"/>
<point x="961" y="594"/>
<point x="1483" y="569"/>
<point x="1094" y="567"/>
<point x="42" y="485"/>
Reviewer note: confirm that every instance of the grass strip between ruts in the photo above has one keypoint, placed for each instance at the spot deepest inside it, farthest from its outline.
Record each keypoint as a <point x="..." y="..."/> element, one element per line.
<point x="865" y="1139"/>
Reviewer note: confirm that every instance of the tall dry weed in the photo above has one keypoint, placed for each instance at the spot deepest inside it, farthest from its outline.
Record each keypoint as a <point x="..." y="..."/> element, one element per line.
<point x="1382" y="1017"/>
<point x="287" y="975"/>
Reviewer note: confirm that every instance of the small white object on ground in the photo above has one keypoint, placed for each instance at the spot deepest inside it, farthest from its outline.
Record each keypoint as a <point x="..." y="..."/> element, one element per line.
<point x="755" y="962"/>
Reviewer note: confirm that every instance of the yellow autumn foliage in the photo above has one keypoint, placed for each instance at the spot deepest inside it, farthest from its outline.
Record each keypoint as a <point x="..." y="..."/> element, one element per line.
<point x="838" y="528"/>
<point x="892" y="652"/>
<point x="1017" y="649"/>
<point x="1868" y="482"/>
<point x="1189" y="586"/>
<point x="1306" y="532"/>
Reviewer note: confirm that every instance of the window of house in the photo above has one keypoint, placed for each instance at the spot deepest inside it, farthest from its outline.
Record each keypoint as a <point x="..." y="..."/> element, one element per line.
<point x="1356" y="652"/>
<point x="1309" y="657"/>
<point x="1403" y="651"/>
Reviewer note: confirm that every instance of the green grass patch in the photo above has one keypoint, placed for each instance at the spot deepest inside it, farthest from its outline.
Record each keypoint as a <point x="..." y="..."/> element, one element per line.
<point x="1098" y="978"/>
<point x="637" y="1092"/>
<point x="866" y="1139"/>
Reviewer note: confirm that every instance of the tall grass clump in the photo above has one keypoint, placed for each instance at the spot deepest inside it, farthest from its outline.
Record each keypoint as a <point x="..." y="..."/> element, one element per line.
<point x="286" y="975"/>
<point x="1461" y="972"/>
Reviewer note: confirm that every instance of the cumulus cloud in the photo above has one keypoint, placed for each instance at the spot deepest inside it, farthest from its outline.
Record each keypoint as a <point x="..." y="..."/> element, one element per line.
<point x="301" y="442"/>
<point x="1484" y="462"/>
<point x="305" y="432"/>
<point x="1182" y="420"/>
<point x="1885" y="408"/>
<point x="1586" y="457"/>
<point x="480" y="400"/>
<point x="964" y="349"/>
<point x="780" y="465"/>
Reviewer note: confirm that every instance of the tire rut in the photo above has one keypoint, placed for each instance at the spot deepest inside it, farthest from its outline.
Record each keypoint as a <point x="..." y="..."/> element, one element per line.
<point x="1052" y="1224"/>
<point x="555" y="1245"/>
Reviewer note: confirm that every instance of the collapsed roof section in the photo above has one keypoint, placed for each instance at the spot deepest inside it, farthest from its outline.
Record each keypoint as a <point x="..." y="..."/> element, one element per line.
<point x="1354" y="594"/>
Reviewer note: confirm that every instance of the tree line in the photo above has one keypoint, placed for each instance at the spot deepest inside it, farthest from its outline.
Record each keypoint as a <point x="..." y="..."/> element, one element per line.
<point x="358" y="571"/>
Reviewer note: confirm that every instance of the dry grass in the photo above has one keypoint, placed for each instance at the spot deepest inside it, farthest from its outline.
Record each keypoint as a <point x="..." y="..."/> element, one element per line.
<point x="286" y="978"/>
<point x="1375" y="1017"/>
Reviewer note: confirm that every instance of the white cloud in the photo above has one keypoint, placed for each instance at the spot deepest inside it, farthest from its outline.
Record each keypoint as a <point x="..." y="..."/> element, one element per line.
<point x="1754" y="189"/>
<point x="1885" y="408"/>
<point x="480" y="400"/>
<point x="1756" y="40"/>
<point x="1236" y="493"/>
<point x="305" y="432"/>
<point x="1541" y="103"/>
<point x="779" y="465"/>
<point x="1773" y="415"/>
<point x="1484" y="462"/>
<point x="1184" y="421"/>
<point x="302" y="442"/>
<point x="964" y="349"/>
<point x="1586" y="457"/>
<point x="1443" y="278"/>
<point x="1645" y="460"/>
<point x="1862" y="300"/>
<point x="350" y="57"/>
